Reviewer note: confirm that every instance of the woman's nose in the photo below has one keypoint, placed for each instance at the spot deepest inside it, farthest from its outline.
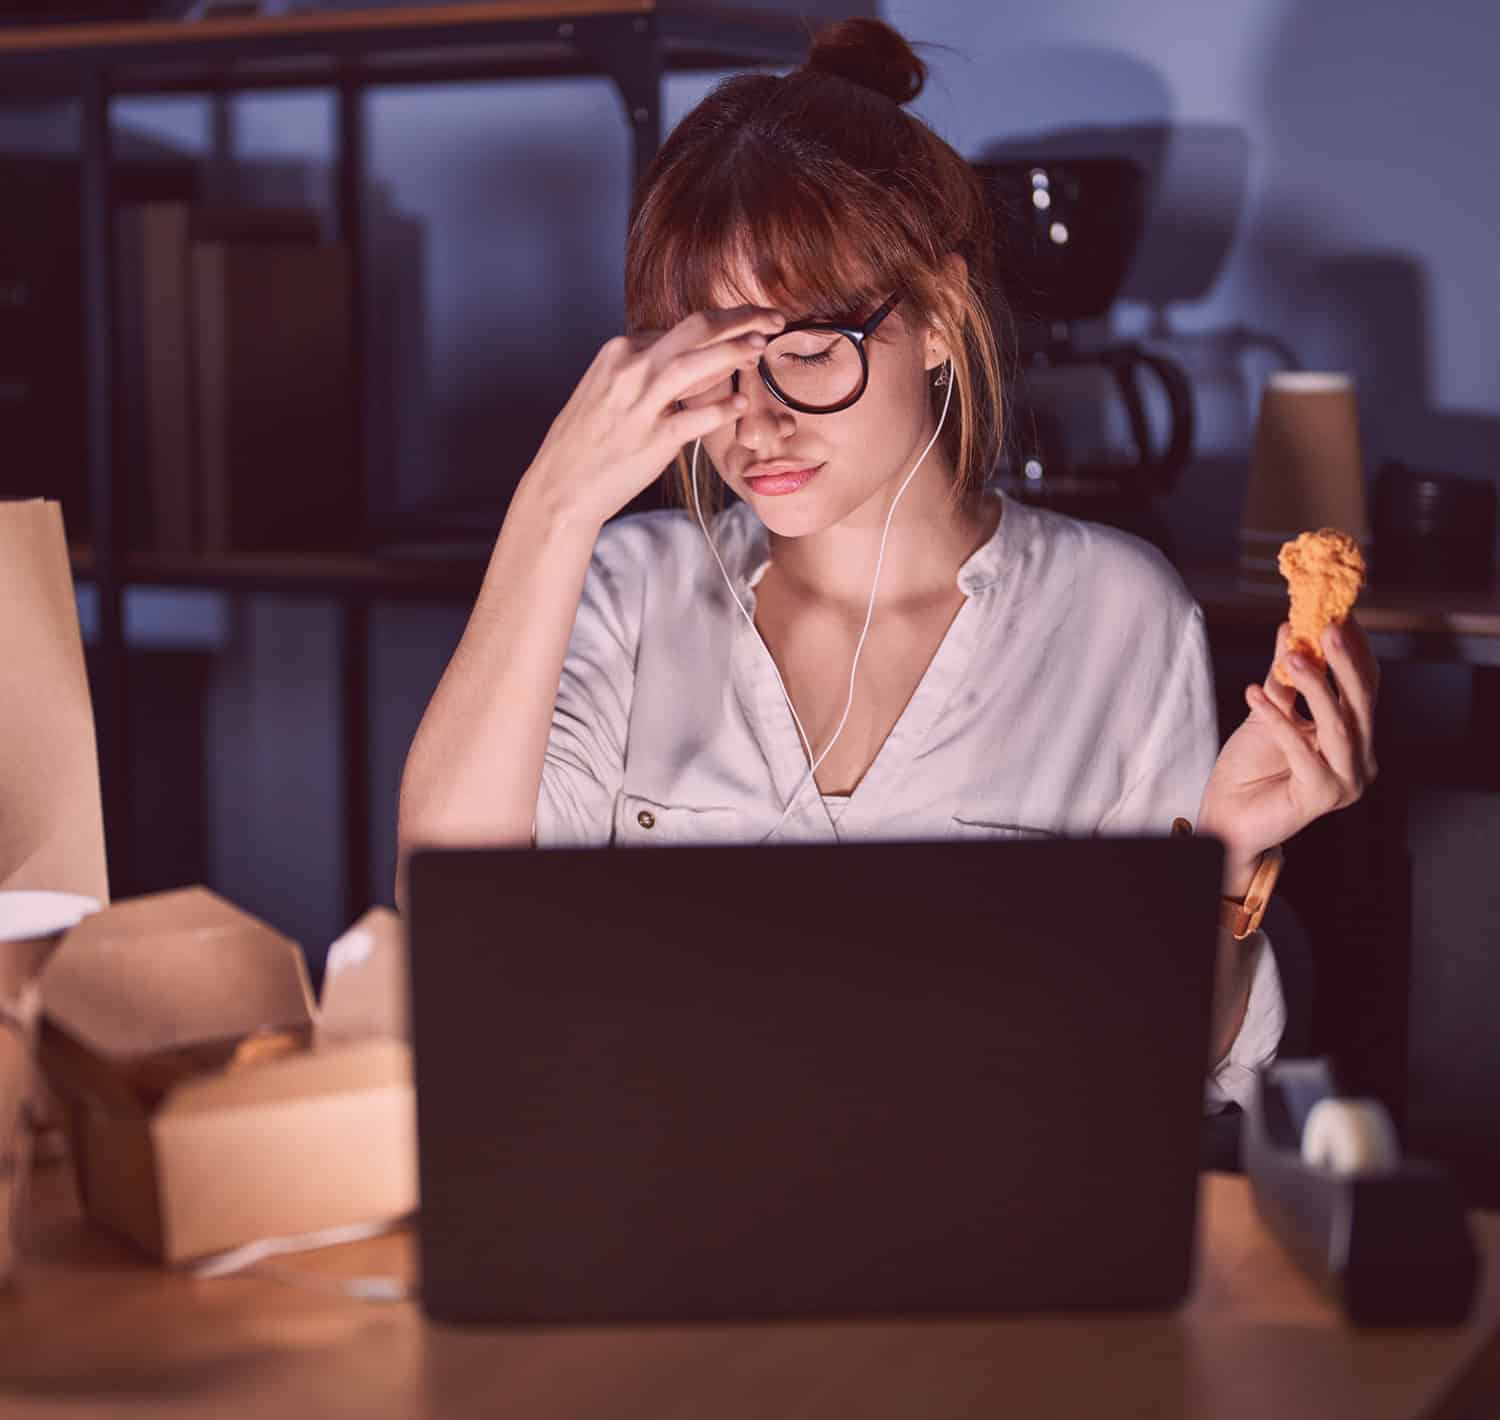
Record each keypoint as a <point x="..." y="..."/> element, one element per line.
<point x="767" y="420"/>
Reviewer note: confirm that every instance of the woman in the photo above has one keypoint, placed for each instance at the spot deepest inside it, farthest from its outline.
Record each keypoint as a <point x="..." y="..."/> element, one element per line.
<point x="867" y="644"/>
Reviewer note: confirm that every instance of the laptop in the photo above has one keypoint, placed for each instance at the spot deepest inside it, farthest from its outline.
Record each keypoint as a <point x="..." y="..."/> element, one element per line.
<point x="717" y="1082"/>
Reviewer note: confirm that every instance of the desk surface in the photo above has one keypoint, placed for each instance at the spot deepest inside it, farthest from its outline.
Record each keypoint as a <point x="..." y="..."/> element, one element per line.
<point x="90" y="1326"/>
<point x="1226" y="599"/>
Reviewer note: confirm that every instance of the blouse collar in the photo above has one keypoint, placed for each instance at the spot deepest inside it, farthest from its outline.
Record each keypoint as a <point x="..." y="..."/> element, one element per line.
<point x="745" y="546"/>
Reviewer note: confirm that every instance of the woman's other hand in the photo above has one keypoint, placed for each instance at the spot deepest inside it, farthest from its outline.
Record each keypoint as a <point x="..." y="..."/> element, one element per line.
<point x="623" y="425"/>
<point x="1280" y="770"/>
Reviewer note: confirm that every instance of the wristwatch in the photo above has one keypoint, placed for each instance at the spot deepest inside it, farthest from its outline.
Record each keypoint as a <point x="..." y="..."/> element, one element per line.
<point x="1240" y="916"/>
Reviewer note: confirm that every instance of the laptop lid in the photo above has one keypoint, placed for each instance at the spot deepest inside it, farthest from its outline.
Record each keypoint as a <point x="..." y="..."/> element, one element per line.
<point x="717" y="1081"/>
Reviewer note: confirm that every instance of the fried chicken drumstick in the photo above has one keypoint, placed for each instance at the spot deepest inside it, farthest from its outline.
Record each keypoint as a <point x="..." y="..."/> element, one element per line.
<point x="1324" y="572"/>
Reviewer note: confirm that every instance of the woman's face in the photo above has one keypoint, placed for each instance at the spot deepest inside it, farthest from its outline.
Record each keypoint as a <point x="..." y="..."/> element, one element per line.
<point x="803" y="473"/>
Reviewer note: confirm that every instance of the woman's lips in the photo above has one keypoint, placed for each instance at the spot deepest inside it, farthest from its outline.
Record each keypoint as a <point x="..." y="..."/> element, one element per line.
<point x="786" y="481"/>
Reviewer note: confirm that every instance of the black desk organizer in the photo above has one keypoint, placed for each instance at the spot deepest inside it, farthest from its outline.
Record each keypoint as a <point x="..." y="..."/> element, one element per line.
<point x="1393" y="1248"/>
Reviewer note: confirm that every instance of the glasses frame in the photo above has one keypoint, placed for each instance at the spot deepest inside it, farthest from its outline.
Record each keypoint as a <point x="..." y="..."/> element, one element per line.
<point x="856" y="333"/>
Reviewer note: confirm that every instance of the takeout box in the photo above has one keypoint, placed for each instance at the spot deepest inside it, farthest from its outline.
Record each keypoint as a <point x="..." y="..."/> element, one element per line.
<point x="210" y="1101"/>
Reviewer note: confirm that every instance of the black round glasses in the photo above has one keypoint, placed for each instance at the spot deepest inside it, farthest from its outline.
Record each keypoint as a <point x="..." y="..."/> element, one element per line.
<point x="815" y="366"/>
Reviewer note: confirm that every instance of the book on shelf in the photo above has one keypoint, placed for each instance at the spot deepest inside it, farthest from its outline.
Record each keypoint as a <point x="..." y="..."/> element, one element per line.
<point x="274" y="400"/>
<point x="154" y="242"/>
<point x="45" y="428"/>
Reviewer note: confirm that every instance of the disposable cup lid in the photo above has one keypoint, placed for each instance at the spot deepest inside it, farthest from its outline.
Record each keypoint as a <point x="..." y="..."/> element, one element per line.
<point x="27" y="913"/>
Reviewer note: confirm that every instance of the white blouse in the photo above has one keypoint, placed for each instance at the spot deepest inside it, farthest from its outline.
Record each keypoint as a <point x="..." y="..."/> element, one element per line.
<point x="1071" y="694"/>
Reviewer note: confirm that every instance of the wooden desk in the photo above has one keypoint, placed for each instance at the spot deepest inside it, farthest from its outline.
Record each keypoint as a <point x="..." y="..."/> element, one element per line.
<point x="90" y="1326"/>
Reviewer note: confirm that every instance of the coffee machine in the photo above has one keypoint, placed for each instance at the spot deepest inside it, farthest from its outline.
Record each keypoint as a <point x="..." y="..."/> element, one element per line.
<point x="1096" y="428"/>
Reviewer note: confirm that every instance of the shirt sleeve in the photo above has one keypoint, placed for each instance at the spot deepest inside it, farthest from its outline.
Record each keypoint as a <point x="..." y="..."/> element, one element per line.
<point x="585" y="758"/>
<point x="1232" y="1080"/>
<point x="1178" y="752"/>
<point x="1180" y="741"/>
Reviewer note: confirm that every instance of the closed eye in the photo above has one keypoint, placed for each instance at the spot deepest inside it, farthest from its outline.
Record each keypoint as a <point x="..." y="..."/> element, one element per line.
<point x="822" y="357"/>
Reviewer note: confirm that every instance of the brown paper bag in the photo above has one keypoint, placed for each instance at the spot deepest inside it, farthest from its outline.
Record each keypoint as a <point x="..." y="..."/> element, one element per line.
<point x="51" y="818"/>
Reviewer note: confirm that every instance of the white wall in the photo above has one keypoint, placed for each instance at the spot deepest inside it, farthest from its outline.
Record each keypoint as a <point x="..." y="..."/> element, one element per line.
<point x="1363" y="233"/>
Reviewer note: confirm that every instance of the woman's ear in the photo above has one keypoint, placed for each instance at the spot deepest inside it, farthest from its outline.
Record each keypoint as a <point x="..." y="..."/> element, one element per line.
<point x="954" y="283"/>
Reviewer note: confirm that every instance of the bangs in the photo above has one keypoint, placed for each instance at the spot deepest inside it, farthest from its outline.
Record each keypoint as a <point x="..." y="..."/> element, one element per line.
<point x="820" y="195"/>
<point x="752" y="233"/>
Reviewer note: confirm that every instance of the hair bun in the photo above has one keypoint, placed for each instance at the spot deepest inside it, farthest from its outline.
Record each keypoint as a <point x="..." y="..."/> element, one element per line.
<point x="871" y="54"/>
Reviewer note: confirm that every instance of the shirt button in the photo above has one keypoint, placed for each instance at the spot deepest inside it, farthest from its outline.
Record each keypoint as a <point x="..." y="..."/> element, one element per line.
<point x="646" y="818"/>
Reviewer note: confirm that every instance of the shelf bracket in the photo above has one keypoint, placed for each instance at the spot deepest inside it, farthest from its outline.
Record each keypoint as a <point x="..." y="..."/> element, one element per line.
<point x="627" y="48"/>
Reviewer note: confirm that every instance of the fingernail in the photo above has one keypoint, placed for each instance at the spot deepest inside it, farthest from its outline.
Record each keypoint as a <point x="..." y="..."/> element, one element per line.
<point x="739" y="401"/>
<point x="1333" y="638"/>
<point x="1299" y="661"/>
<point x="758" y="341"/>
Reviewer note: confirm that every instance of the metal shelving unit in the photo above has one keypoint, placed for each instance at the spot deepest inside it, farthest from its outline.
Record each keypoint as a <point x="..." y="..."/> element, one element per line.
<point x="631" y="43"/>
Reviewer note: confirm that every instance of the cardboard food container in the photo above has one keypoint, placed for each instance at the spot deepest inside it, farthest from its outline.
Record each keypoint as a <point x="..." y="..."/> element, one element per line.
<point x="209" y="1100"/>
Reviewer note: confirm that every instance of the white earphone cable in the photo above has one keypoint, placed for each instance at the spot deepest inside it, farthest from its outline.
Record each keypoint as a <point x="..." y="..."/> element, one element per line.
<point x="734" y="597"/>
<point x="815" y="761"/>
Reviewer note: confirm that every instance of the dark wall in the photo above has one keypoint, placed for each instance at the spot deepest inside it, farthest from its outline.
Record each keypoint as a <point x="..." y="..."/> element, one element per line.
<point x="1454" y="1097"/>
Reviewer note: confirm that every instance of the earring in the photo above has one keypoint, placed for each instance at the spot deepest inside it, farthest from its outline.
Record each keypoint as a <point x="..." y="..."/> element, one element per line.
<point x="941" y="378"/>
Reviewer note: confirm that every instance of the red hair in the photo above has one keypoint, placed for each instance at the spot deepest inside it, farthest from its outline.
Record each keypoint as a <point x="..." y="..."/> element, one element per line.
<point x="821" y="187"/>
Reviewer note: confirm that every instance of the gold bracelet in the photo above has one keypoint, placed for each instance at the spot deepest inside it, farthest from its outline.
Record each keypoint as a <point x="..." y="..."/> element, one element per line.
<point x="1242" y="916"/>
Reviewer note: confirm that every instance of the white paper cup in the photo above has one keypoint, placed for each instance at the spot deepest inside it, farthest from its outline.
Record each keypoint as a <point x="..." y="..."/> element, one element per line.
<point x="17" y="1045"/>
<point x="27" y="913"/>
<point x="1306" y="469"/>
<point x="32" y="923"/>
